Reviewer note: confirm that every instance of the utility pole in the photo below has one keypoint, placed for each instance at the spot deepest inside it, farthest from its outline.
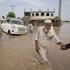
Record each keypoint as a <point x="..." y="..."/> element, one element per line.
<point x="59" y="10"/>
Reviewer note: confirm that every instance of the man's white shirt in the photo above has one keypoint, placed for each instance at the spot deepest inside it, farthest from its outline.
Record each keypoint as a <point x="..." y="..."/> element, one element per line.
<point x="44" y="39"/>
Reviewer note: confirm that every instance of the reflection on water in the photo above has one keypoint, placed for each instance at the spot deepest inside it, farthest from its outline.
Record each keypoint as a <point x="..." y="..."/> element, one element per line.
<point x="64" y="32"/>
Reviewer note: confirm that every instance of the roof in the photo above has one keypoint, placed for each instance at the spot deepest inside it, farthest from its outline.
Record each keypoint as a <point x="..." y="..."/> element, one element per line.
<point x="39" y="11"/>
<point x="15" y="19"/>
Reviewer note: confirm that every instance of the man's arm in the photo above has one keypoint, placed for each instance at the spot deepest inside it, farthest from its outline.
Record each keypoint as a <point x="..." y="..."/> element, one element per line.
<point x="36" y="46"/>
<point x="58" y="41"/>
<point x="36" y="41"/>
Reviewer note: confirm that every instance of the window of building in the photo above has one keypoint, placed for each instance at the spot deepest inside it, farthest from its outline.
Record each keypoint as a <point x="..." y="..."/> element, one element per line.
<point x="42" y="14"/>
<point x="37" y="14"/>
<point x="27" y="14"/>
<point x="33" y="14"/>
<point x="52" y="14"/>
<point x="47" y="14"/>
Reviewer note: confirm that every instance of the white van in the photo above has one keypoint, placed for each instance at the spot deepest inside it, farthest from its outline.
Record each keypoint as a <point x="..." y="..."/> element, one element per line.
<point x="14" y="26"/>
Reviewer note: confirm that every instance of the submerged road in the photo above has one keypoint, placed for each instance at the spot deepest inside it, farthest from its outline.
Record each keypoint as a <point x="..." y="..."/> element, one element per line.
<point x="18" y="52"/>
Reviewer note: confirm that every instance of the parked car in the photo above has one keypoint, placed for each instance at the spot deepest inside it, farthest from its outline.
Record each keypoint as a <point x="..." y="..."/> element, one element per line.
<point x="14" y="26"/>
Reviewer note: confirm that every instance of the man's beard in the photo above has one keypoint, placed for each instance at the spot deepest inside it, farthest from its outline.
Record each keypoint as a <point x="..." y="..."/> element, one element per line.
<point x="45" y="30"/>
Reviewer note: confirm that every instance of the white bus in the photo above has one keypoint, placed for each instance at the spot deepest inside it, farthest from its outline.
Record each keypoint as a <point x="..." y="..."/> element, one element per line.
<point x="14" y="26"/>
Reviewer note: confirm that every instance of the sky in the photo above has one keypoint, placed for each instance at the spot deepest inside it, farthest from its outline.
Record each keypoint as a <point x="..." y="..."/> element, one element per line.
<point x="20" y="5"/>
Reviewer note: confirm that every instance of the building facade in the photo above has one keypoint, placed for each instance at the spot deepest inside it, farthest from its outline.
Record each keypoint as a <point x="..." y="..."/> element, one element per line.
<point x="38" y="17"/>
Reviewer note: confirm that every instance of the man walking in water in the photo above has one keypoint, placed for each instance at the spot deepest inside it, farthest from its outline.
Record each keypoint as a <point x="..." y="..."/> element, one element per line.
<point x="42" y="38"/>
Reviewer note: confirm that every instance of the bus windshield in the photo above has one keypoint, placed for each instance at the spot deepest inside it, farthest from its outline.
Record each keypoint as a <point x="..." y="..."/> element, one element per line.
<point x="16" y="22"/>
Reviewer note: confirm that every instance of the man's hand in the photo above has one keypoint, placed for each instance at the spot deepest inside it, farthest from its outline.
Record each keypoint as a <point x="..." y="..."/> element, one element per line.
<point x="51" y="37"/>
<point x="37" y="49"/>
<point x="63" y="47"/>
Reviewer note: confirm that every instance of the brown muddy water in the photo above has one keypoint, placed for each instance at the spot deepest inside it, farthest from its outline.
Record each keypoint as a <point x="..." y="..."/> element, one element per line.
<point x="18" y="52"/>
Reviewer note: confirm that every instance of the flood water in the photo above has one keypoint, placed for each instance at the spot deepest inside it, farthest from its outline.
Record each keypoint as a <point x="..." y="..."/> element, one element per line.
<point x="65" y="32"/>
<point x="18" y="52"/>
<point x="61" y="59"/>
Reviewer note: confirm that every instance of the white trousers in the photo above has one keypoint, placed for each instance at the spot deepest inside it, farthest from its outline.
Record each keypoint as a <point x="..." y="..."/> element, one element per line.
<point x="43" y="52"/>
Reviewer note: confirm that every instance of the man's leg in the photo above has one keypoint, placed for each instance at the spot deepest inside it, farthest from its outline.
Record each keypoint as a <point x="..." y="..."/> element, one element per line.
<point x="43" y="53"/>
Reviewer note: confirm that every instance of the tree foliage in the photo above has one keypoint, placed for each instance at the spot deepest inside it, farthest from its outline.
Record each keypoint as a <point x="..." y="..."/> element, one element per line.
<point x="11" y="15"/>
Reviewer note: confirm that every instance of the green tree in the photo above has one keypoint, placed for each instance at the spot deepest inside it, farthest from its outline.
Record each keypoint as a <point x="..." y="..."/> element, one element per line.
<point x="11" y="15"/>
